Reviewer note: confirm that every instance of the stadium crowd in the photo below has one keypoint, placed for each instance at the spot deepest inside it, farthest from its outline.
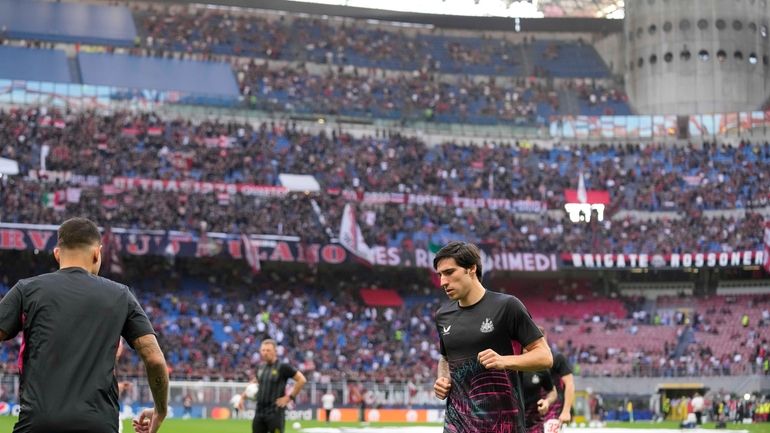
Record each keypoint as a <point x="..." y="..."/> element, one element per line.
<point x="382" y="73"/>
<point x="718" y="406"/>
<point x="208" y="33"/>
<point x="100" y="147"/>
<point x="210" y="325"/>
<point x="405" y="95"/>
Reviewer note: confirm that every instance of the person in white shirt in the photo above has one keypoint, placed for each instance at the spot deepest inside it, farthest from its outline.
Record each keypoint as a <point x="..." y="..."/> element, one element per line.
<point x="235" y="403"/>
<point x="697" y="407"/>
<point x="327" y="401"/>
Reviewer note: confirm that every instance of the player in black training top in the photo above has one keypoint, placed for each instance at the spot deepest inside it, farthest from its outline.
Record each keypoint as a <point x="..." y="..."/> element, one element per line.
<point x="482" y="336"/>
<point x="72" y="321"/>
<point x="269" y="416"/>
<point x="539" y="395"/>
<point x="561" y="376"/>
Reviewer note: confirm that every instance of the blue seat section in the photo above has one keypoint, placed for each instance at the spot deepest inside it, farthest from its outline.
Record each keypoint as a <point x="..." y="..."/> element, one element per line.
<point x="493" y="57"/>
<point x="609" y="108"/>
<point x="17" y="63"/>
<point x="68" y="22"/>
<point x="131" y="72"/>
<point x="568" y="59"/>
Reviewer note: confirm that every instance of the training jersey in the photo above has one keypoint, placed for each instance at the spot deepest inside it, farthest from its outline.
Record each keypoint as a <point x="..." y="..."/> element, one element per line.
<point x="272" y="380"/>
<point x="534" y="386"/>
<point x="481" y="400"/>
<point x="559" y="369"/>
<point x="72" y="322"/>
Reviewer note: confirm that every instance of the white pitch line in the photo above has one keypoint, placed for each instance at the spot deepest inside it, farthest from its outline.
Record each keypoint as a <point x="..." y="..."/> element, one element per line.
<point x="439" y="429"/>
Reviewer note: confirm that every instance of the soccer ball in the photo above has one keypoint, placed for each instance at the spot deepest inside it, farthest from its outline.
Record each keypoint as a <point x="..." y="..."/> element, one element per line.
<point x="251" y="391"/>
<point x="296" y="425"/>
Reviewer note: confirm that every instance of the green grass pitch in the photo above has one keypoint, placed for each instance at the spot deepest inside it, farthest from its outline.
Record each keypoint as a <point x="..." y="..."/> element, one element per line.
<point x="244" y="426"/>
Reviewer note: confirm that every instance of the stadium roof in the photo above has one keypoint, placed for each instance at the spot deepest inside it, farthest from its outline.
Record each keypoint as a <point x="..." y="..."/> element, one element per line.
<point x="571" y="16"/>
<point x="583" y="8"/>
<point x="493" y="8"/>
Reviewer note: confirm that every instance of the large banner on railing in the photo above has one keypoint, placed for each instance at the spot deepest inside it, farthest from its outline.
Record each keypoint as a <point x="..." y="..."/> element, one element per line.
<point x="288" y="249"/>
<point x="268" y="248"/>
<point x="519" y="206"/>
<point x="664" y="261"/>
<point x="374" y="198"/>
<point x="192" y="186"/>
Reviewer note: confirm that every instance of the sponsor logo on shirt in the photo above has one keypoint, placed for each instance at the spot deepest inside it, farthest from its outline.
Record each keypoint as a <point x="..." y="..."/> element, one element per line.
<point x="446" y="329"/>
<point x="487" y="326"/>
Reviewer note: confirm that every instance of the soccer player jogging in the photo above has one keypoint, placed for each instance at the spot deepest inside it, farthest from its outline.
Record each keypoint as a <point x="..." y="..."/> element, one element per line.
<point x="269" y="416"/>
<point x="539" y="394"/>
<point x="482" y="334"/>
<point x="72" y="321"/>
<point x="561" y="375"/>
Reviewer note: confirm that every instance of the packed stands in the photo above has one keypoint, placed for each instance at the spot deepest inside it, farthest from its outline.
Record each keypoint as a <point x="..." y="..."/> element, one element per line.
<point x="336" y="67"/>
<point x="211" y="323"/>
<point x="103" y="147"/>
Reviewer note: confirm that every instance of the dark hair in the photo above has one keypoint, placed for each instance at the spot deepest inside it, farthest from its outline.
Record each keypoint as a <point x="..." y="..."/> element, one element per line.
<point x="465" y="254"/>
<point x="78" y="233"/>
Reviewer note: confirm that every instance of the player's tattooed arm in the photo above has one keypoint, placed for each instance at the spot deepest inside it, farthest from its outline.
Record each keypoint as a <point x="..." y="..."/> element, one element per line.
<point x="157" y="373"/>
<point x="443" y="367"/>
<point x="443" y="382"/>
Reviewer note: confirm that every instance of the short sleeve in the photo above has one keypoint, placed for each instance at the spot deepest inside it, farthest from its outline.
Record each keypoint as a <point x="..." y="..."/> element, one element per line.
<point x="561" y="366"/>
<point x="136" y="324"/>
<point x="546" y="381"/>
<point x="442" y="349"/>
<point x="11" y="310"/>
<point x="287" y="371"/>
<point x="520" y="324"/>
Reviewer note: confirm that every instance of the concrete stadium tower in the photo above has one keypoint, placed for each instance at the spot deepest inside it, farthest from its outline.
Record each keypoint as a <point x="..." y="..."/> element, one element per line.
<point x="696" y="56"/>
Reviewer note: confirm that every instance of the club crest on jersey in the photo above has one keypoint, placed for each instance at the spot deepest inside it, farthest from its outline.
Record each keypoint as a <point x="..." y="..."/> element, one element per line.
<point x="535" y="379"/>
<point x="487" y="326"/>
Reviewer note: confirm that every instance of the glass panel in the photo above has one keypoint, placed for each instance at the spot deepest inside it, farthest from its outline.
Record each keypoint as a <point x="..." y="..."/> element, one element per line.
<point x="569" y="129"/>
<point x="744" y="122"/>
<point x="658" y="126"/>
<point x="581" y="127"/>
<point x="633" y="126"/>
<point x="710" y="123"/>
<point x="730" y="124"/>
<point x="671" y="127"/>
<point x="5" y="90"/>
<point x="30" y="92"/>
<point x="608" y="126"/>
<point x="695" y="126"/>
<point x="645" y="127"/>
<point x="757" y="122"/>
<point x="621" y="126"/>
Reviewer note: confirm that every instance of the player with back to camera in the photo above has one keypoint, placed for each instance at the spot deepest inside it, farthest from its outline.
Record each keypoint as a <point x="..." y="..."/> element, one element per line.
<point x="539" y="394"/>
<point x="249" y="394"/>
<point x="564" y="381"/>
<point x="72" y="321"/>
<point x="479" y="365"/>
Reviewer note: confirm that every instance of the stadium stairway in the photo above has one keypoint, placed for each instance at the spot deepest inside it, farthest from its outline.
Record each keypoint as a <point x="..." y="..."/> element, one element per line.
<point x="568" y="103"/>
<point x="686" y="339"/>
<point x="74" y="68"/>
